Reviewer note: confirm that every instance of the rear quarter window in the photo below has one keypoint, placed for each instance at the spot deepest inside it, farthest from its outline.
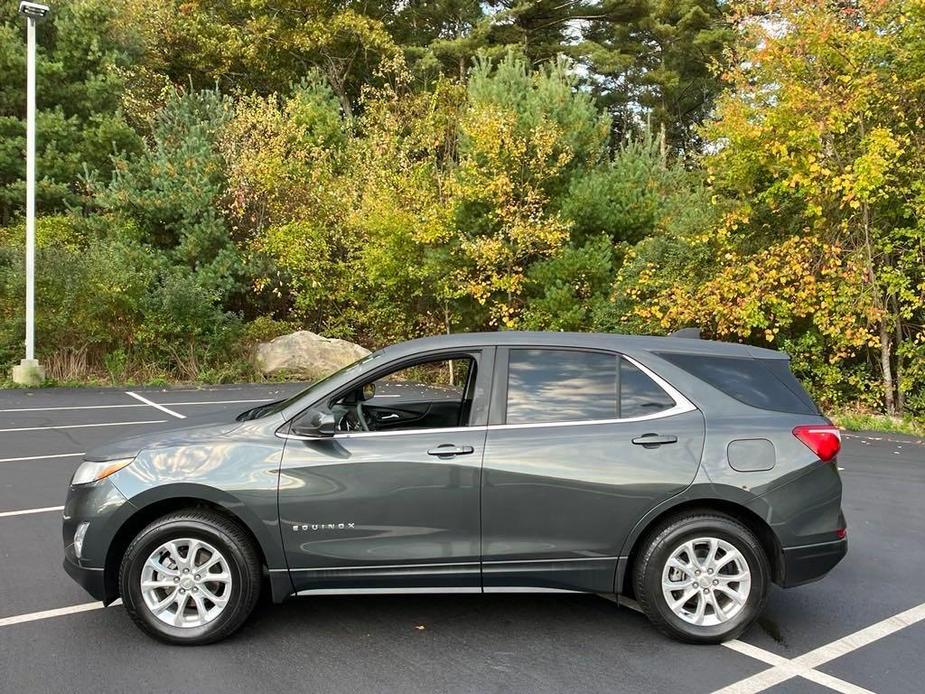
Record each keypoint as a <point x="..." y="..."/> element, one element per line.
<point x="766" y="384"/>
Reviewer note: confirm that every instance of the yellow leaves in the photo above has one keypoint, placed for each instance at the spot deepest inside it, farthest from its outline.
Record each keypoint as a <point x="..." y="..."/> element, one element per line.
<point x="798" y="278"/>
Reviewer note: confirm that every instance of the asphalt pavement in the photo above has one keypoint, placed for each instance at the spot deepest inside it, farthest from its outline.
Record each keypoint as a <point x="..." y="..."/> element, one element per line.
<point x="862" y="628"/>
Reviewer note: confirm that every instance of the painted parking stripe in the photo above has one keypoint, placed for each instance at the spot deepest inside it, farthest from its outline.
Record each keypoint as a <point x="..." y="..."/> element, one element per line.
<point x="145" y="400"/>
<point x="822" y="678"/>
<point x="84" y="426"/>
<point x="125" y="405"/>
<point x="862" y="638"/>
<point x="29" y="511"/>
<point x="804" y="665"/>
<point x="48" y="614"/>
<point x="40" y="457"/>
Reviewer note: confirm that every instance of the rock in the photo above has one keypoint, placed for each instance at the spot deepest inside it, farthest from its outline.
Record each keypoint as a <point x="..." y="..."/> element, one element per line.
<point x="305" y="354"/>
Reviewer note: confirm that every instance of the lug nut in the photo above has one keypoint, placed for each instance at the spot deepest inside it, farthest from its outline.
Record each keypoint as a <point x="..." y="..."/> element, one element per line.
<point x="186" y="571"/>
<point x="197" y="577"/>
<point x="715" y="582"/>
<point x="183" y="591"/>
<point x="176" y="579"/>
<point x="706" y="590"/>
<point x="697" y="572"/>
<point x="195" y="589"/>
<point x="709" y="571"/>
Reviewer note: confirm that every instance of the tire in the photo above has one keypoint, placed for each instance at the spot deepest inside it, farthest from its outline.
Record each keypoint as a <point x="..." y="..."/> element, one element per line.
<point x="723" y="616"/>
<point x="232" y="581"/>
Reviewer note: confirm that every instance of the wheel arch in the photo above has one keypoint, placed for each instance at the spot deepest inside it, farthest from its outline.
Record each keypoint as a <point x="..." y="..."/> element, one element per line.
<point x="767" y="538"/>
<point x="153" y="507"/>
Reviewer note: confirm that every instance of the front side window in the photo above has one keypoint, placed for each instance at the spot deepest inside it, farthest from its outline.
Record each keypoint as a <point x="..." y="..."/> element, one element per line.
<point x="559" y="385"/>
<point x="434" y="394"/>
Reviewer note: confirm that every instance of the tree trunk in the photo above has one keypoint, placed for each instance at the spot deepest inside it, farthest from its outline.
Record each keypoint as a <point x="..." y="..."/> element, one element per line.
<point x="885" y="349"/>
<point x="900" y="396"/>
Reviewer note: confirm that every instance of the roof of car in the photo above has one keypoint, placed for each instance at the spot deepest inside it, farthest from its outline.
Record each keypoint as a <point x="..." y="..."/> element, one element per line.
<point x="627" y="343"/>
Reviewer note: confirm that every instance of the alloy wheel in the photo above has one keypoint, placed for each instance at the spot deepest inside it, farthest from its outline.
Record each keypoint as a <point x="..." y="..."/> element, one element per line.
<point x="706" y="581"/>
<point x="186" y="583"/>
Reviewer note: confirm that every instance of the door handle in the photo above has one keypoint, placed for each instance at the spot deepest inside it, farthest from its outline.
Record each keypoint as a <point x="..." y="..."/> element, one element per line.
<point x="384" y="417"/>
<point x="654" y="440"/>
<point x="448" y="449"/>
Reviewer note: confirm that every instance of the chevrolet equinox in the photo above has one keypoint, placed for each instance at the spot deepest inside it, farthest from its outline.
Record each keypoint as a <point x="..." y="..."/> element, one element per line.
<point x="686" y="475"/>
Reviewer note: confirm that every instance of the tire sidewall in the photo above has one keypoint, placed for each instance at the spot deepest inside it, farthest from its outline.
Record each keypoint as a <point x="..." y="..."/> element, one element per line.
<point x="733" y="533"/>
<point x="151" y="539"/>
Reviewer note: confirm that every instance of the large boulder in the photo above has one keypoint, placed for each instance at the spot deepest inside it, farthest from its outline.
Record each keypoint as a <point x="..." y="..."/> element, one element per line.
<point x="305" y="354"/>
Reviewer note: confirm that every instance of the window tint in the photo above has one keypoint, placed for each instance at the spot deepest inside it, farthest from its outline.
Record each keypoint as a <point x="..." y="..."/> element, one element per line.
<point x="547" y="385"/>
<point x="767" y="384"/>
<point x="639" y="394"/>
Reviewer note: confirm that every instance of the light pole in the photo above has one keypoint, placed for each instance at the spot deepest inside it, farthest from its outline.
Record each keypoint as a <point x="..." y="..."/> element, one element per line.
<point x="29" y="372"/>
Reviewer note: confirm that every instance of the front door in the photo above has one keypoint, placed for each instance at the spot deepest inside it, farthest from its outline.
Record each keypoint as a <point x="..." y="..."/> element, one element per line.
<point x="391" y="501"/>
<point x="582" y="444"/>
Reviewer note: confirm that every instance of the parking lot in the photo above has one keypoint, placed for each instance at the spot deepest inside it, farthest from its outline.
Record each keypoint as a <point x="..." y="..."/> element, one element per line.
<point x="860" y="629"/>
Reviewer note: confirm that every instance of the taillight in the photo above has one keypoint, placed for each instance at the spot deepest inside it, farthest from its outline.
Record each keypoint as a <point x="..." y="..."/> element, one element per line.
<point x="822" y="439"/>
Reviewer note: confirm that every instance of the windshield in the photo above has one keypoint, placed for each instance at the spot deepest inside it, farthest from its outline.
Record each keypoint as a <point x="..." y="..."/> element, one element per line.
<point x="280" y="405"/>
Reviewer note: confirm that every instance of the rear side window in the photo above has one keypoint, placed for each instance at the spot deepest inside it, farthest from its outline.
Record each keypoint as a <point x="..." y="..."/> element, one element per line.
<point x="763" y="383"/>
<point x="558" y="385"/>
<point x="639" y="394"/>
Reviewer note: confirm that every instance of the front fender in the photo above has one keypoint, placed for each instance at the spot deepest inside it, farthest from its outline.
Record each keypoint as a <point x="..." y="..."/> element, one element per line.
<point x="240" y="476"/>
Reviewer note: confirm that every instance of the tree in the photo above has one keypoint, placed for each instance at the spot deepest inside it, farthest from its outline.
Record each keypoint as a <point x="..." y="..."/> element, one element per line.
<point x="173" y="189"/>
<point x="522" y="136"/>
<point x="265" y="46"/>
<point x="820" y="137"/>
<point x="79" y="121"/>
<point x="651" y="63"/>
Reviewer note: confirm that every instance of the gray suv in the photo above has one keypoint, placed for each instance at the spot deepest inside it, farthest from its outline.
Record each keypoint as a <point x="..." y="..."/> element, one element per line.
<point x="686" y="475"/>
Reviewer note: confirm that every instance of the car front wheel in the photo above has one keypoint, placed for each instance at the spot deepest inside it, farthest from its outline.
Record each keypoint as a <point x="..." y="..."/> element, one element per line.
<point x="702" y="578"/>
<point x="191" y="577"/>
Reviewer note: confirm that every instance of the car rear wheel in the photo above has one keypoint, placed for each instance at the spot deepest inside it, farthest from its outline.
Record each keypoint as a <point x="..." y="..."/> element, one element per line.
<point x="191" y="577"/>
<point x="702" y="578"/>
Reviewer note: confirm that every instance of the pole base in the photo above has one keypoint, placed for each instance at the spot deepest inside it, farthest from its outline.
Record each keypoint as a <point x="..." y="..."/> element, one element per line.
<point x="28" y="373"/>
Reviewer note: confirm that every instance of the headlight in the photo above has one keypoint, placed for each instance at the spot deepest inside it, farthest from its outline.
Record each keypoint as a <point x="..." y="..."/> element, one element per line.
<point x="93" y="472"/>
<point x="79" y="537"/>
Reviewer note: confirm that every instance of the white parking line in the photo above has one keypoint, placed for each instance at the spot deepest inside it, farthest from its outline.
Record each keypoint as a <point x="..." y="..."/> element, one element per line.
<point x="84" y="426"/>
<point x="804" y="665"/>
<point x="40" y="457"/>
<point x="122" y="405"/>
<point x="28" y="511"/>
<point x="155" y="405"/>
<point x="48" y="614"/>
<point x="779" y="661"/>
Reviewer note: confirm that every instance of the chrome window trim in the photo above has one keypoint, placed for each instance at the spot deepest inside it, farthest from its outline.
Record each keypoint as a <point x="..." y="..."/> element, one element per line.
<point x="682" y="405"/>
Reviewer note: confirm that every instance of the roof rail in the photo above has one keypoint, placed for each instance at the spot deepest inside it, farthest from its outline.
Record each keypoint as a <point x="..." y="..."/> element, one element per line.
<point x="690" y="333"/>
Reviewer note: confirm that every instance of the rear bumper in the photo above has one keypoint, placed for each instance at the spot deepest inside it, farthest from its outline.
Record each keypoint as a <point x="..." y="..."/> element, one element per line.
<point x="811" y="562"/>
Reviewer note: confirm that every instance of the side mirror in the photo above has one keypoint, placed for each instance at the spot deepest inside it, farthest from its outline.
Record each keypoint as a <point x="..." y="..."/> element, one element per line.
<point x="316" y="424"/>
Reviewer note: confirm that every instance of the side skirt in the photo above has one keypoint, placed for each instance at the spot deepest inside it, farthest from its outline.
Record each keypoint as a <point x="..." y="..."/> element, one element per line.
<point x="444" y="590"/>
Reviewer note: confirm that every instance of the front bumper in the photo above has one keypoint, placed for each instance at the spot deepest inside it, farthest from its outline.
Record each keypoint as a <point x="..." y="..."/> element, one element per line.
<point x="91" y="580"/>
<point x="106" y="509"/>
<point x="811" y="562"/>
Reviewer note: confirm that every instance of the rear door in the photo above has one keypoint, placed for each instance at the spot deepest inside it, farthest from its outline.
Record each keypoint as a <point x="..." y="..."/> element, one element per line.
<point x="581" y="444"/>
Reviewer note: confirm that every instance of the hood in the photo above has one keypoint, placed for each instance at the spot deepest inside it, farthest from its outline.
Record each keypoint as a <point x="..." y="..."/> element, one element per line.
<point x="186" y="431"/>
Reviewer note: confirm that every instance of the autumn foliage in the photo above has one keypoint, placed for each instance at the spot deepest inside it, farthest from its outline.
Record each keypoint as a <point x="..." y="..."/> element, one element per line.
<point x="380" y="171"/>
